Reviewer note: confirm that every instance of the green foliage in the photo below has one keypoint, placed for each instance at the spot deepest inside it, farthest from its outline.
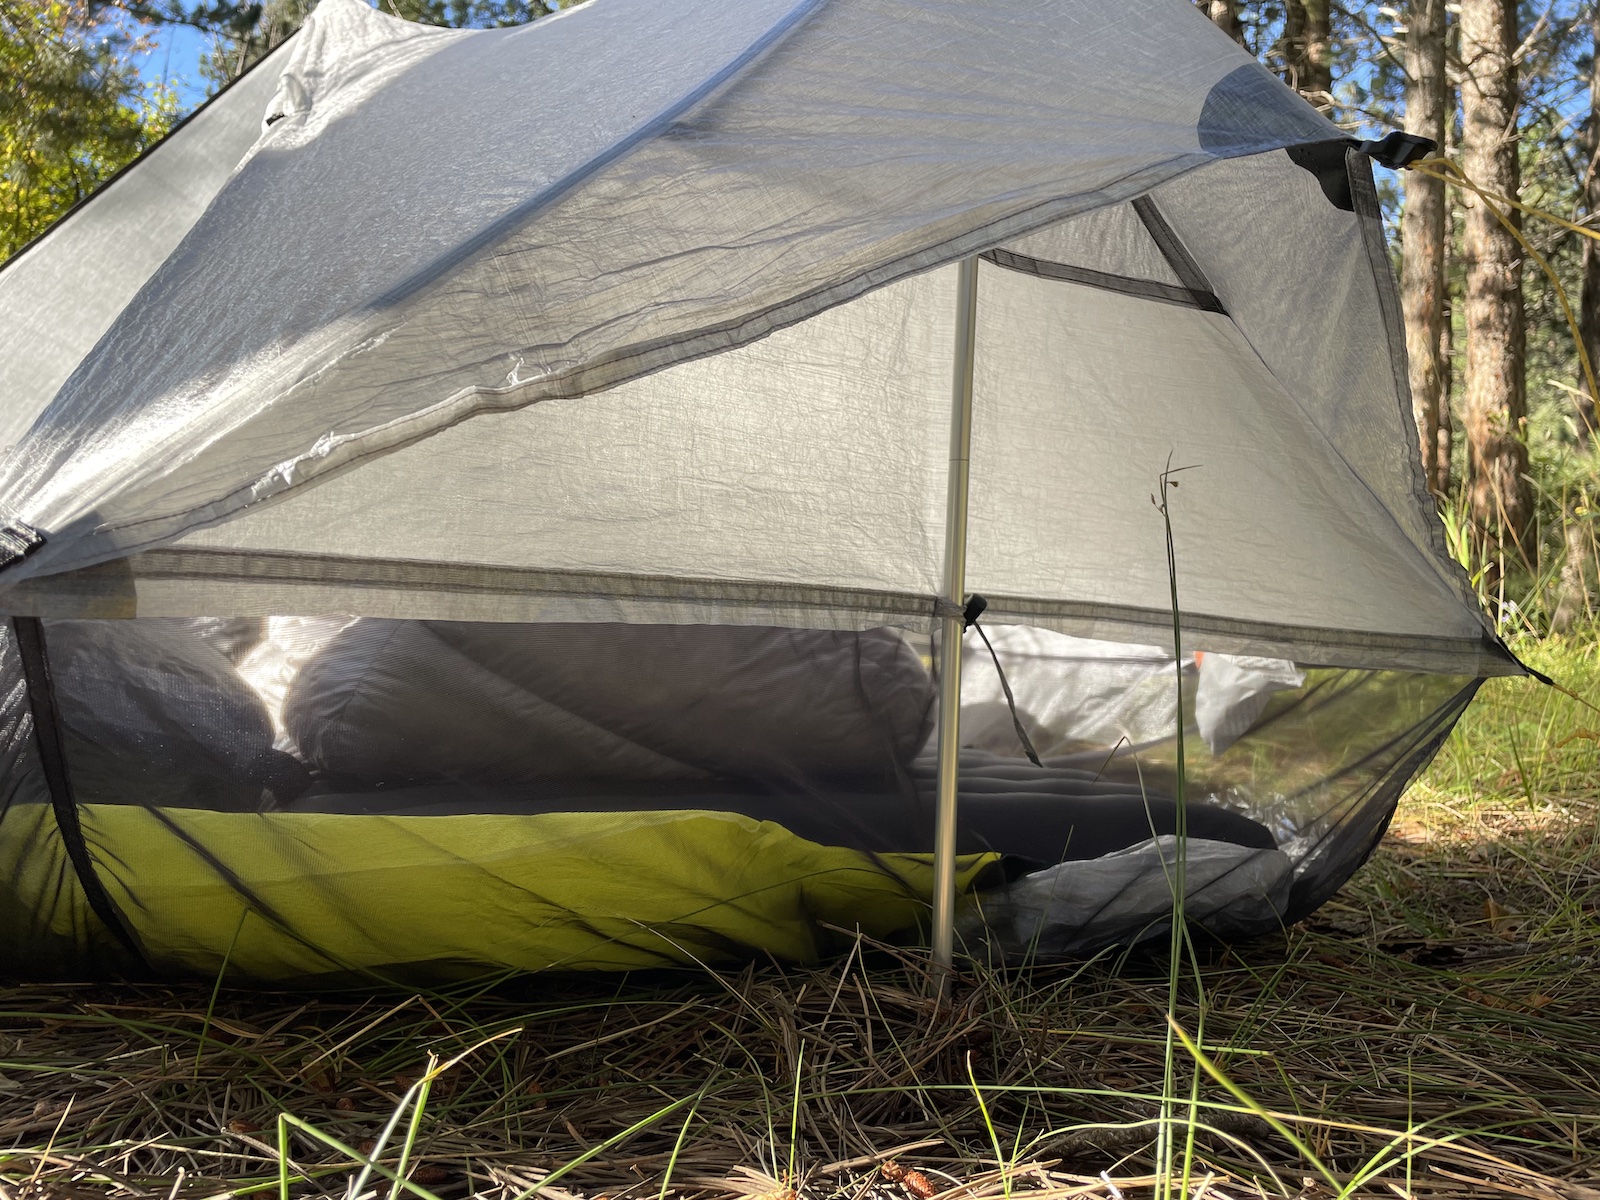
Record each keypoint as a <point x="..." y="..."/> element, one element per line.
<point x="1563" y="466"/>
<point x="1521" y="739"/>
<point x="72" y="112"/>
<point x="1555" y="149"/>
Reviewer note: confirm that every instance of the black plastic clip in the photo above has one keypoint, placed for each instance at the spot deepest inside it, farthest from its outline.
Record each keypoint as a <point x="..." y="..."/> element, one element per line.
<point x="1397" y="150"/>
<point x="17" y="541"/>
<point x="976" y="606"/>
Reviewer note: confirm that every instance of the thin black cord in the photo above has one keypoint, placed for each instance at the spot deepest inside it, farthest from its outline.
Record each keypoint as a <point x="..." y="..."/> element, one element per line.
<point x="975" y="606"/>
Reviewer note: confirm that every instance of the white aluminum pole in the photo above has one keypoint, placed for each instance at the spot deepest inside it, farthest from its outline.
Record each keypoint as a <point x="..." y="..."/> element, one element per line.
<point x="955" y="582"/>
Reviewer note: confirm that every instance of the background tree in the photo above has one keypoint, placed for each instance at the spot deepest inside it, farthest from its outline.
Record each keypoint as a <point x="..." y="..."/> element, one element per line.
<point x="1500" y="497"/>
<point x="73" y="111"/>
<point x="1225" y="14"/>
<point x="1588" y="145"/>
<point x="245" y="32"/>
<point x="1423" y="284"/>
<point x="1578" y="569"/>
<point x="1307" y="50"/>
<point x="242" y="42"/>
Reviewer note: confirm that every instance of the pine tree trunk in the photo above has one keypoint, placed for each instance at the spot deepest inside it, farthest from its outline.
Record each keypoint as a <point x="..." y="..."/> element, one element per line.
<point x="1574" y="600"/>
<point x="1292" y="45"/>
<point x="1574" y="593"/>
<point x="1422" y="277"/>
<point x="1589" y="302"/>
<point x="1452" y="238"/>
<point x="1500" y="497"/>
<point x="1318" y="54"/>
<point x="1307" y="50"/>
<point x="1225" y="15"/>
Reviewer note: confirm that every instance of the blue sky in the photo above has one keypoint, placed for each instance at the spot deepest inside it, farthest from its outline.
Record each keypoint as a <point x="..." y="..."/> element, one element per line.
<point x="175" y="58"/>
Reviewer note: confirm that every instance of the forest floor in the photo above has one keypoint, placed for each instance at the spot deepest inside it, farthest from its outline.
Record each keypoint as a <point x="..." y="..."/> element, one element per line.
<point x="1434" y="1032"/>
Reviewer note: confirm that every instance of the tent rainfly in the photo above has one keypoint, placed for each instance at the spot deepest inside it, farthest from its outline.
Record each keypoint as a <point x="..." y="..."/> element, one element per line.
<point x="513" y="499"/>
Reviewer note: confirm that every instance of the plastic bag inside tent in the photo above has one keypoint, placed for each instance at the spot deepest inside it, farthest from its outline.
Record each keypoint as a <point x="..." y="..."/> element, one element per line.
<point x="335" y="798"/>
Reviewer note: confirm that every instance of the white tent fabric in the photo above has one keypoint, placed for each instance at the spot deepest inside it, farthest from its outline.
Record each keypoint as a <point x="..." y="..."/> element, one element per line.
<point x="60" y="294"/>
<point x="685" y="267"/>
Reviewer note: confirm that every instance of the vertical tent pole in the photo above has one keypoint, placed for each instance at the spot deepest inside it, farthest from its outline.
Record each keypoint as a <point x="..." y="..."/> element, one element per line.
<point x="955" y="582"/>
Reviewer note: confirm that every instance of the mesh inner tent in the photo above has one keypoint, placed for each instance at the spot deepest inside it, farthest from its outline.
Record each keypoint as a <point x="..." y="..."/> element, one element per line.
<point x="333" y="797"/>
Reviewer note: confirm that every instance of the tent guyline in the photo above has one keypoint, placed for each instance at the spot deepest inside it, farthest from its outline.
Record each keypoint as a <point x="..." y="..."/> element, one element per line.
<point x="478" y="542"/>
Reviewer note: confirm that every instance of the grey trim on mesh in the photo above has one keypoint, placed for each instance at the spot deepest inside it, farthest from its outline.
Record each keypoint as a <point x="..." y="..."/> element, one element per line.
<point x="1310" y="646"/>
<point x="109" y="589"/>
<point x="202" y="581"/>
<point x="1126" y="285"/>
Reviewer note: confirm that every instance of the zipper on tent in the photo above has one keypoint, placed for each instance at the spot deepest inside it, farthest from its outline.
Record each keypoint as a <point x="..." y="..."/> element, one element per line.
<point x="52" y="758"/>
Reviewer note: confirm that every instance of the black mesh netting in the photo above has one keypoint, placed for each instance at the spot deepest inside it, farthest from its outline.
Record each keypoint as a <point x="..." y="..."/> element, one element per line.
<point x="311" y="797"/>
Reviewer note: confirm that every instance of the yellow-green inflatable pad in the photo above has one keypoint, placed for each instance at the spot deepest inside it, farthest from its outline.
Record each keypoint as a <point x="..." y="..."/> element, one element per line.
<point x="293" y="895"/>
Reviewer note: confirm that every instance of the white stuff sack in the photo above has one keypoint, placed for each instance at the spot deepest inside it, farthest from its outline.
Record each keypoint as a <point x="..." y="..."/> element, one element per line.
<point x="1233" y="693"/>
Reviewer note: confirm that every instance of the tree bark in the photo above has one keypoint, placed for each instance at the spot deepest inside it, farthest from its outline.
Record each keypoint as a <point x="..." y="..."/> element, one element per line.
<point x="1500" y="497"/>
<point x="1225" y="15"/>
<point x="1422" y="231"/>
<point x="1452" y="231"/>
<point x="1589" y="300"/>
<point x="1578" y="571"/>
<point x="1575" y="591"/>
<point x="1308" y="50"/>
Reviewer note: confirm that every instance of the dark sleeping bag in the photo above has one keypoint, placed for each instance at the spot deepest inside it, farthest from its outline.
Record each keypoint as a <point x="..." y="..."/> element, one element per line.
<point x="401" y="702"/>
<point x="824" y="733"/>
<point x="1033" y="816"/>
<point x="154" y="713"/>
<point x="1066" y="813"/>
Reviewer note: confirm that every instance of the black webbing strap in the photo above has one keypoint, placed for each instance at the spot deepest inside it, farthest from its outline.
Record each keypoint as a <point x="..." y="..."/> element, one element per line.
<point x="52" y="757"/>
<point x="1144" y="289"/>
<point x="1174" y="251"/>
<point x="975" y="607"/>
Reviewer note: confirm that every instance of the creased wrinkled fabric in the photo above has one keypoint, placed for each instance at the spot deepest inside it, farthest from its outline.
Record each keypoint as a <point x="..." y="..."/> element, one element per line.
<point x="62" y="292"/>
<point x="727" y="219"/>
<point x="1078" y="908"/>
<point x="690" y="180"/>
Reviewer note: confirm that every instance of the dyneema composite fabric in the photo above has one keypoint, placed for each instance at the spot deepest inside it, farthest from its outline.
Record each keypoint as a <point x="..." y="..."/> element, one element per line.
<point x="468" y="535"/>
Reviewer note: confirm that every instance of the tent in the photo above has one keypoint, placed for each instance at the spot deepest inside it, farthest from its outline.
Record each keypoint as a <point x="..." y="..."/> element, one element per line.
<point x="482" y="500"/>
